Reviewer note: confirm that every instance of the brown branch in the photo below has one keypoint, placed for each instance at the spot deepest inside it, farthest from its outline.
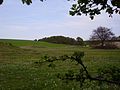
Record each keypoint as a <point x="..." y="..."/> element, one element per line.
<point x="88" y="76"/>
<point x="103" y="80"/>
<point x="97" y="79"/>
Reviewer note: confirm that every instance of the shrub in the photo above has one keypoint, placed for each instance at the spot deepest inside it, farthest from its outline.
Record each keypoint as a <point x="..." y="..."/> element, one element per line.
<point x="107" y="46"/>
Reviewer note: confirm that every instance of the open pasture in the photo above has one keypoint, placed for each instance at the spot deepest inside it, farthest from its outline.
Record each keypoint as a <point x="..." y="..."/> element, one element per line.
<point x="18" y="70"/>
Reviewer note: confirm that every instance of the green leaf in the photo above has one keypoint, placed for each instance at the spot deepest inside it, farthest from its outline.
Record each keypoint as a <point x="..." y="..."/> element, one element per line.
<point x="72" y="13"/>
<point x="92" y="17"/>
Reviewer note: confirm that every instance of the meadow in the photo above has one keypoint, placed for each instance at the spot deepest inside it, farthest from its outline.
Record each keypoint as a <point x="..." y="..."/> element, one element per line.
<point x="18" y="70"/>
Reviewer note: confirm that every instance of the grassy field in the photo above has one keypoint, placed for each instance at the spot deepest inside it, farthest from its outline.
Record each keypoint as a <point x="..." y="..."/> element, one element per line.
<point x="18" y="70"/>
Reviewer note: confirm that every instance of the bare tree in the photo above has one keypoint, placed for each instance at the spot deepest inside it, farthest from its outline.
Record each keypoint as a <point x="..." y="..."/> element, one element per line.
<point x="102" y="34"/>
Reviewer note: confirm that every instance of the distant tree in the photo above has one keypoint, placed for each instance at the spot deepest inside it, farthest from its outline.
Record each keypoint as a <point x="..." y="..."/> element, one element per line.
<point x="35" y="40"/>
<point x="59" y="40"/>
<point x="114" y="38"/>
<point x="102" y="34"/>
<point x="90" y="7"/>
<point x="79" y="41"/>
<point x="118" y="37"/>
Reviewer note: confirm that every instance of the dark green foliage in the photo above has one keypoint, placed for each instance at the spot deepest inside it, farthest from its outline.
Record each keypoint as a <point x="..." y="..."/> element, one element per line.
<point x="28" y="2"/>
<point x="63" y="40"/>
<point x="81" y="76"/>
<point x="1" y="1"/>
<point x="5" y="44"/>
<point x="64" y="57"/>
<point x="90" y="7"/>
<point x="79" y="41"/>
<point x="116" y="3"/>
<point x="95" y="7"/>
<point x="35" y="40"/>
<point x="69" y="75"/>
<point x="51" y="65"/>
<point x="109" y="75"/>
<point x="77" y="56"/>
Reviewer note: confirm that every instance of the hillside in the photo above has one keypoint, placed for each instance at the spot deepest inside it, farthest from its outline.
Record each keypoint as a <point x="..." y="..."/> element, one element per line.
<point x="19" y="70"/>
<point x="20" y="43"/>
<point x="63" y="40"/>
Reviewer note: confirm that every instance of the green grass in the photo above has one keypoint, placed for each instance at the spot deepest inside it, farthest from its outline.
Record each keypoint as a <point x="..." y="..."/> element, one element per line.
<point x="18" y="70"/>
<point x="30" y="43"/>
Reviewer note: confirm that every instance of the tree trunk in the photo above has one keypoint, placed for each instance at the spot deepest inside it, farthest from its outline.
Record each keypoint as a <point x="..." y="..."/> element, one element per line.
<point x="102" y="43"/>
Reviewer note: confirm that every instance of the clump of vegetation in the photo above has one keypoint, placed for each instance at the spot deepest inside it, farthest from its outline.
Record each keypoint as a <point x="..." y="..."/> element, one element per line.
<point x="107" y="46"/>
<point x="108" y="75"/>
<point x="63" y="40"/>
<point x="5" y="44"/>
<point x="102" y="38"/>
<point x="95" y="7"/>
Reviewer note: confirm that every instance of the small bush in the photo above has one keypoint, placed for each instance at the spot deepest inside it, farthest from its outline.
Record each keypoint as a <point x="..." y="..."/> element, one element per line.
<point x="107" y="46"/>
<point x="110" y="73"/>
<point x="5" y="44"/>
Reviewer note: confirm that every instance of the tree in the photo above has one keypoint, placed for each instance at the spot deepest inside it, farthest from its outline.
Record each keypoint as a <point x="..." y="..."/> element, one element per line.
<point x="118" y="38"/>
<point x="106" y="75"/>
<point x="79" y="41"/>
<point x="1" y="1"/>
<point x="102" y="34"/>
<point x="59" y="40"/>
<point x="94" y="7"/>
<point x="90" y="7"/>
<point x="35" y="40"/>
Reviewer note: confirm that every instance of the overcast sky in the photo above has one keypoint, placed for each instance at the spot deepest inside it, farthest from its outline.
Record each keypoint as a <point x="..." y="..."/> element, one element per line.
<point x="49" y="18"/>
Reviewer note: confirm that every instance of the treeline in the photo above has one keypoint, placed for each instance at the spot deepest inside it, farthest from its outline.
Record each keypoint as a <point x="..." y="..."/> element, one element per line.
<point x="62" y="40"/>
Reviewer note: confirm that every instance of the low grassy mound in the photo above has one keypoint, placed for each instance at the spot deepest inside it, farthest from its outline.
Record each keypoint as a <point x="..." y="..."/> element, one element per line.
<point x="20" y="43"/>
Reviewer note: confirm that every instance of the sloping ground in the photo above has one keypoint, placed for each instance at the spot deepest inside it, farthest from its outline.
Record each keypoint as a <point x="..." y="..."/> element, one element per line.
<point x="14" y="54"/>
<point x="31" y="43"/>
<point x="18" y="70"/>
